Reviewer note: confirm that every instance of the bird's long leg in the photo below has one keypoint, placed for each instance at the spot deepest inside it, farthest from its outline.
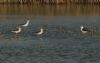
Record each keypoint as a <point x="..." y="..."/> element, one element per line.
<point x="1" y="35"/>
<point x="40" y="36"/>
<point x="16" y="36"/>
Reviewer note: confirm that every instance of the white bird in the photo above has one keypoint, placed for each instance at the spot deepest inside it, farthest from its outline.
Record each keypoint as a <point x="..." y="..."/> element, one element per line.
<point x="17" y="31"/>
<point x="41" y="32"/>
<point x="26" y="24"/>
<point x="84" y="30"/>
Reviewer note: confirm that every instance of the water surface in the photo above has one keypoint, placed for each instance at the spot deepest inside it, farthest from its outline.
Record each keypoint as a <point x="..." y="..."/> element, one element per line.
<point x="62" y="41"/>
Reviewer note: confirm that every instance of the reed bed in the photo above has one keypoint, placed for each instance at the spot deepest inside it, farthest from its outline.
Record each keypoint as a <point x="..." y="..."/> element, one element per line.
<point x="49" y="1"/>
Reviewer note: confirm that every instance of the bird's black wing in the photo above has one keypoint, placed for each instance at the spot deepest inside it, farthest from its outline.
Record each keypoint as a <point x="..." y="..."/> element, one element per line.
<point x="85" y="29"/>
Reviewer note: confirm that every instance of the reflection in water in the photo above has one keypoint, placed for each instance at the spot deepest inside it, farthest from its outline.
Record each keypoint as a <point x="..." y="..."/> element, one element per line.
<point x="49" y="10"/>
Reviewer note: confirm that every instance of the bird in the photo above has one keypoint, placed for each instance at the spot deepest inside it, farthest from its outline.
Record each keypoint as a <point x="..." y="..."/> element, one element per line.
<point x="17" y="31"/>
<point x="83" y="30"/>
<point x="26" y="24"/>
<point x="41" y="32"/>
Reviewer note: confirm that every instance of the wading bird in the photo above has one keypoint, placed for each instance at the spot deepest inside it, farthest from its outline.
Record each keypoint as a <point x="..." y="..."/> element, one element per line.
<point x="17" y="31"/>
<point x="41" y="32"/>
<point x="26" y="24"/>
<point x="84" y="30"/>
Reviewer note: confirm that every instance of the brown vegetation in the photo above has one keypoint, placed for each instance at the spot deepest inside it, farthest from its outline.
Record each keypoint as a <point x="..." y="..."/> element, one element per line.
<point x="51" y="1"/>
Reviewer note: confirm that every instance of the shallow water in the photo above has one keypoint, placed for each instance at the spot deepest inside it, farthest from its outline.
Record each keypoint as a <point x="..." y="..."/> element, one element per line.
<point x="62" y="41"/>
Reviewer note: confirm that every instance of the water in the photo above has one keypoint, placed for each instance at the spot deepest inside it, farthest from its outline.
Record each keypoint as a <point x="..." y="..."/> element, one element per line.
<point x="62" y="41"/>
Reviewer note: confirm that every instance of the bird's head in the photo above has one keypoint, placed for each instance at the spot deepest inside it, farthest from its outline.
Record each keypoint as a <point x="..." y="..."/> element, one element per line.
<point x="81" y="27"/>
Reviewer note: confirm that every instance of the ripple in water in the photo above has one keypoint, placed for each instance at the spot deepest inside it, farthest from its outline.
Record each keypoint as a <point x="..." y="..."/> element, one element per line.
<point x="61" y="42"/>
